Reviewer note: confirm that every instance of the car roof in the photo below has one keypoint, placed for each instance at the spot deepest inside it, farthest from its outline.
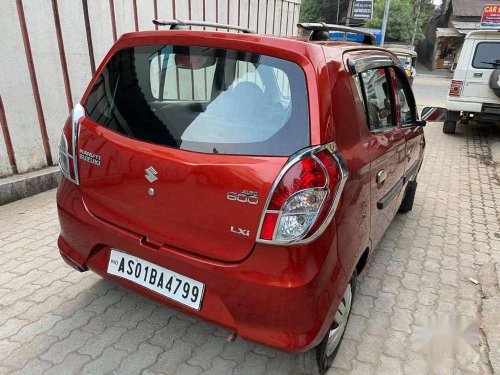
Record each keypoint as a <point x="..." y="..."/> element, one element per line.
<point x="281" y="41"/>
<point x="227" y="38"/>
<point x="403" y="51"/>
<point x="483" y="34"/>
<point x="244" y="34"/>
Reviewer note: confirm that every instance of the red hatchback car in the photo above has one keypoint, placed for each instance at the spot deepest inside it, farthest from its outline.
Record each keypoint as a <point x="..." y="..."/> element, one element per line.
<point x="241" y="178"/>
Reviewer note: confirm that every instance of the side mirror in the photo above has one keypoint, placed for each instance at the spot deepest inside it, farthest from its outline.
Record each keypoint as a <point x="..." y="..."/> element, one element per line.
<point x="434" y="114"/>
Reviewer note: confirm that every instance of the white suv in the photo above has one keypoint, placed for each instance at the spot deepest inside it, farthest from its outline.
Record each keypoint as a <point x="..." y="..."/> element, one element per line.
<point x="475" y="88"/>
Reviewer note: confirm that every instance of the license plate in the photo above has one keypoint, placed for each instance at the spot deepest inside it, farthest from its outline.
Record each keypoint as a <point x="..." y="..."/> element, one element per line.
<point x="168" y="283"/>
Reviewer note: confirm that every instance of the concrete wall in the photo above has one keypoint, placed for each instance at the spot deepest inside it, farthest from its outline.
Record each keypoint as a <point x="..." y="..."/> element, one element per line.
<point x="34" y="130"/>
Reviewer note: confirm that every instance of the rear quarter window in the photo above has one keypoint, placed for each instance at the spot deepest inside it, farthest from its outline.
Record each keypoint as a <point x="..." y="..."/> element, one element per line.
<point x="487" y="55"/>
<point x="204" y="100"/>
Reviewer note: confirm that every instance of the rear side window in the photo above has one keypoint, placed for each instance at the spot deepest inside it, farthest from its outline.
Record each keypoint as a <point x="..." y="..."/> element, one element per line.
<point x="377" y="97"/>
<point x="405" y="98"/>
<point x="487" y="55"/>
<point x="203" y="99"/>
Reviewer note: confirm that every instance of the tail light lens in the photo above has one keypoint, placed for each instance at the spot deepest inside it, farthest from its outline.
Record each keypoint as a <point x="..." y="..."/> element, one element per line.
<point x="304" y="197"/>
<point x="68" y="158"/>
<point x="456" y="88"/>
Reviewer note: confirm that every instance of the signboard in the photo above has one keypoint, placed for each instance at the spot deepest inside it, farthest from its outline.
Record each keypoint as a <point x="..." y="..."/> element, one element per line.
<point x="362" y="9"/>
<point x="491" y="17"/>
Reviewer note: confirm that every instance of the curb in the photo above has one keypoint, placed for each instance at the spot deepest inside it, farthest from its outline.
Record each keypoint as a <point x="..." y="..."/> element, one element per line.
<point x="495" y="152"/>
<point x="27" y="184"/>
<point x="434" y="76"/>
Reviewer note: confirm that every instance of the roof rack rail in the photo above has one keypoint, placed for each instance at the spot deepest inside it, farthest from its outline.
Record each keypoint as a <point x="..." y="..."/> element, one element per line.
<point x="181" y="24"/>
<point x="319" y="31"/>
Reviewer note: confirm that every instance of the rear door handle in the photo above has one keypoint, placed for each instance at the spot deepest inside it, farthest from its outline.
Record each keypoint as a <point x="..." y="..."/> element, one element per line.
<point x="381" y="176"/>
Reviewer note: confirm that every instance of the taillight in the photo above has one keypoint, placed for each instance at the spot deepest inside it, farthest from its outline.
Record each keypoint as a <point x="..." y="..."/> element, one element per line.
<point x="68" y="158"/>
<point x="456" y="88"/>
<point x="304" y="197"/>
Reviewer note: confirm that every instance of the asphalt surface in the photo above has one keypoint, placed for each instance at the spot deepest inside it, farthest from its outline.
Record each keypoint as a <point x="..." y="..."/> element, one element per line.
<point x="431" y="90"/>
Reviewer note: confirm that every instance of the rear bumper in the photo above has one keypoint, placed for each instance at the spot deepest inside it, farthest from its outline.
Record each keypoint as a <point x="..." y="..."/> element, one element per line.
<point x="490" y="112"/>
<point x="284" y="297"/>
<point x="463" y="106"/>
<point x="483" y="111"/>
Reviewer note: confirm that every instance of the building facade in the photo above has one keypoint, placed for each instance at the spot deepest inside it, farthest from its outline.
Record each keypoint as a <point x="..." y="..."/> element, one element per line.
<point x="445" y="34"/>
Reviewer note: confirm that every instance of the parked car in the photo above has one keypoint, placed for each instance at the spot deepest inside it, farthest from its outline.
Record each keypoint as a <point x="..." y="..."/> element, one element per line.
<point x="475" y="88"/>
<point x="407" y="57"/>
<point x="241" y="178"/>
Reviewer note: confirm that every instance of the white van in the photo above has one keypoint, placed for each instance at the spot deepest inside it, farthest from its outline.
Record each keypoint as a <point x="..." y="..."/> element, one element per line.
<point x="475" y="88"/>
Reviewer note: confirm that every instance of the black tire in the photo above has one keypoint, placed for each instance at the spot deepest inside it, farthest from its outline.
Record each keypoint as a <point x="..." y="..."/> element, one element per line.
<point x="449" y="127"/>
<point x="316" y="360"/>
<point x="407" y="203"/>
<point x="495" y="82"/>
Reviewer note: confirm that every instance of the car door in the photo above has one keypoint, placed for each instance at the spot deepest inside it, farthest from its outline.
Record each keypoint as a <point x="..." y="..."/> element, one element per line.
<point x="385" y="145"/>
<point x="406" y="117"/>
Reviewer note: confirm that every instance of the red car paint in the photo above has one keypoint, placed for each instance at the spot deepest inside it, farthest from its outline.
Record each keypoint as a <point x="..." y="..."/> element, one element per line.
<point x="281" y="296"/>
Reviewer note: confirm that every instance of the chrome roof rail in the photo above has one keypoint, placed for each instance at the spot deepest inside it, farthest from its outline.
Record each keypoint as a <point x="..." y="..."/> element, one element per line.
<point x="182" y="25"/>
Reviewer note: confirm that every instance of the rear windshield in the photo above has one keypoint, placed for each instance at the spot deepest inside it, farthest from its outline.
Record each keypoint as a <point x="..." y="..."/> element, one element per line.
<point x="203" y="99"/>
<point x="487" y="55"/>
<point x="405" y="61"/>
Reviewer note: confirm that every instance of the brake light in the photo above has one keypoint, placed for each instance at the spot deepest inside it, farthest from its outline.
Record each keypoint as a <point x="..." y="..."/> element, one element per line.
<point x="304" y="197"/>
<point x="456" y="88"/>
<point x="68" y="158"/>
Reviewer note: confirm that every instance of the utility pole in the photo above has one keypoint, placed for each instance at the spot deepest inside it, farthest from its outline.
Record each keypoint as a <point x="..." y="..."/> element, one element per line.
<point x="416" y="23"/>
<point x="349" y="13"/>
<point x="338" y="11"/>
<point x="384" y="22"/>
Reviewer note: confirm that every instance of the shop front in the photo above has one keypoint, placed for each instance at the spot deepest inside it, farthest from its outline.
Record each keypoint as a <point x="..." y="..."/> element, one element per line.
<point x="447" y="48"/>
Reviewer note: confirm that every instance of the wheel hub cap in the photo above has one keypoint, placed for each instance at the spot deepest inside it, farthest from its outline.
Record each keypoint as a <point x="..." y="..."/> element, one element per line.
<point x="339" y="322"/>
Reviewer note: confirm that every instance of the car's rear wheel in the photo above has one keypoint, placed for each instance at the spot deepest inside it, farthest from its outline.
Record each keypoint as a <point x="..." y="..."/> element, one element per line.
<point x="449" y="127"/>
<point x="320" y="358"/>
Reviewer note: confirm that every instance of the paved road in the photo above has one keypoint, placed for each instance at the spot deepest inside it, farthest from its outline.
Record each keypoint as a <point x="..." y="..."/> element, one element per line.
<point x="57" y="320"/>
<point x="431" y="90"/>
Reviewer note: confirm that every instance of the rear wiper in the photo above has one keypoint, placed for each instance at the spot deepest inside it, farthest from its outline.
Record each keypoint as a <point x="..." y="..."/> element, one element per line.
<point x="495" y="63"/>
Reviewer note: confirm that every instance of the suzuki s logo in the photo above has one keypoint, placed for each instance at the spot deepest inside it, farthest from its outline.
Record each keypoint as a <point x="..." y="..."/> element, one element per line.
<point x="151" y="174"/>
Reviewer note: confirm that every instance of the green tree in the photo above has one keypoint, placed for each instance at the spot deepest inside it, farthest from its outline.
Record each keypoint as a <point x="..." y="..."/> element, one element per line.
<point x="309" y="11"/>
<point x="427" y="10"/>
<point x="401" y="19"/>
<point x="323" y="10"/>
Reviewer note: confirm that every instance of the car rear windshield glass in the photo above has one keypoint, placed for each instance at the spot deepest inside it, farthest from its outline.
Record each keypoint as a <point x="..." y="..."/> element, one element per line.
<point x="203" y="99"/>
<point x="487" y="55"/>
